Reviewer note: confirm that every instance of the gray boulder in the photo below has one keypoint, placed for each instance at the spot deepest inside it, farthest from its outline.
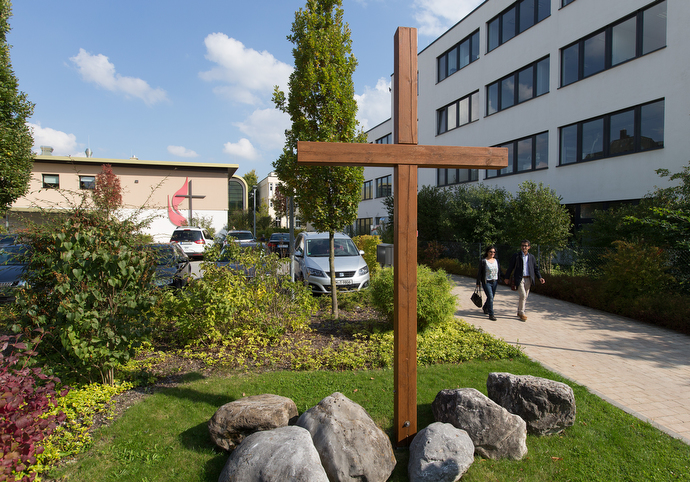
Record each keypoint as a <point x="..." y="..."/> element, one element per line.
<point x="440" y="453"/>
<point x="235" y="420"/>
<point x="286" y="453"/>
<point x="547" y="406"/>
<point x="495" y="432"/>
<point x="349" y="443"/>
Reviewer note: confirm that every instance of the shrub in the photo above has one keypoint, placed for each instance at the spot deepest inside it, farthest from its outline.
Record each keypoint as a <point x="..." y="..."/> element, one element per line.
<point x="26" y="397"/>
<point x="435" y="302"/>
<point x="368" y="244"/>
<point x="88" y="286"/>
<point x="226" y="303"/>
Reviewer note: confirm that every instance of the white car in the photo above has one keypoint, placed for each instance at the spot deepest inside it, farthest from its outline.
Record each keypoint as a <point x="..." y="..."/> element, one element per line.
<point x="192" y="240"/>
<point x="311" y="263"/>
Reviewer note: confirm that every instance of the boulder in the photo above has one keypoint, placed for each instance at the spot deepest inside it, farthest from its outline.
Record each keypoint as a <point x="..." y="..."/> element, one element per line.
<point x="235" y="420"/>
<point x="547" y="406"/>
<point x="349" y="443"/>
<point x="440" y="453"/>
<point x="495" y="432"/>
<point x="285" y="453"/>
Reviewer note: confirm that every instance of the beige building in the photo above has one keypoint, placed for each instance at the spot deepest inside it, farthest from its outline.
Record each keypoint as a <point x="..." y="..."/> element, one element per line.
<point x="159" y="190"/>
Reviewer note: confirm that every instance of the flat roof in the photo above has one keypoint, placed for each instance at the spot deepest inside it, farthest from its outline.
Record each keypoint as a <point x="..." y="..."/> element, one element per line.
<point x="231" y="168"/>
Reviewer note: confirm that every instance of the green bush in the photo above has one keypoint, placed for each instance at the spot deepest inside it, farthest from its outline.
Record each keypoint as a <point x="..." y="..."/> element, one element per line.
<point x="368" y="244"/>
<point x="226" y="303"/>
<point x="635" y="269"/>
<point x="88" y="285"/>
<point x="435" y="302"/>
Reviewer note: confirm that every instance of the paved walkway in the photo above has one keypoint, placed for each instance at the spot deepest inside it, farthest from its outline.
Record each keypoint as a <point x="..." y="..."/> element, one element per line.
<point x="640" y="368"/>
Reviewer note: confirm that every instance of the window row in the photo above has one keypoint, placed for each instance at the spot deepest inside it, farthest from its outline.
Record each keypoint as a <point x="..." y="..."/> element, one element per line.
<point x="52" y="181"/>
<point x="628" y="38"/>
<point x="566" y="2"/>
<point x="526" y="154"/>
<point x="387" y="139"/>
<point x="384" y="186"/>
<point x="448" y="177"/>
<point x="458" y="113"/>
<point x="362" y="226"/>
<point x="525" y="84"/>
<point x="514" y="20"/>
<point x="460" y="55"/>
<point x="367" y="190"/>
<point x="636" y="129"/>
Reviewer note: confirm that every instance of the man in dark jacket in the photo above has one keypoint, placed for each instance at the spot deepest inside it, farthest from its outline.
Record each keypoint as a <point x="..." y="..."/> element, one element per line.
<point x="525" y="271"/>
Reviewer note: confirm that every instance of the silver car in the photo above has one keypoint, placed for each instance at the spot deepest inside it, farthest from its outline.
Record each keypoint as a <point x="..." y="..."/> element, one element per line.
<point x="311" y="263"/>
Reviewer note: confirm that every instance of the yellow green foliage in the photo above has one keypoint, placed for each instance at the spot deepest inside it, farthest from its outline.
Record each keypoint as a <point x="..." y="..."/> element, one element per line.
<point x="368" y="244"/>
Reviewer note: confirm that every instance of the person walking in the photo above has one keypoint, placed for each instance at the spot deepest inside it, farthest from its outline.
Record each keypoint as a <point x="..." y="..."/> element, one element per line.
<point x="525" y="272"/>
<point x="488" y="276"/>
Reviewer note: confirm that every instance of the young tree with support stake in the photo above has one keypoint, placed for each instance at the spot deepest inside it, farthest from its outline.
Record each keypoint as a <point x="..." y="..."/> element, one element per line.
<point x="322" y="107"/>
<point x="16" y="159"/>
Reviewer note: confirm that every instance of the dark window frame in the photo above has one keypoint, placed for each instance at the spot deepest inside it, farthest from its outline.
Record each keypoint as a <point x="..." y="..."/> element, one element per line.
<point x="367" y="190"/>
<point x="608" y="47"/>
<point x="442" y="63"/>
<point x="515" y="76"/>
<point x="606" y="135"/>
<point x="387" y="139"/>
<point x="516" y="7"/>
<point x="442" y="123"/>
<point x="514" y="145"/>
<point x="87" y="184"/>
<point x="384" y="186"/>
<point x="462" y="176"/>
<point x="51" y="185"/>
<point x="363" y="226"/>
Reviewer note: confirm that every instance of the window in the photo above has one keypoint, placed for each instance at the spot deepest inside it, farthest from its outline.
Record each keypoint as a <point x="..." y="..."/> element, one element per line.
<point x="387" y="139"/>
<point x="458" y="113"/>
<point x="526" y="154"/>
<point x="87" y="182"/>
<point x="51" y="181"/>
<point x="521" y="86"/>
<point x="367" y="190"/>
<point x="566" y="2"/>
<point x="362" y="226"/>
<point x="460" y="55"/>
<point x="384" y="187"/>
<point x="627" y="131"/>
<point x="517" y="18"/>
<point x="631" y="37"/>
<point x="448" y="177"/>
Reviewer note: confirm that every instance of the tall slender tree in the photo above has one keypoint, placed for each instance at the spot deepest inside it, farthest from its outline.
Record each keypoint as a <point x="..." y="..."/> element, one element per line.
<point x="16" y="159"/>
<point x="322" y="107"/>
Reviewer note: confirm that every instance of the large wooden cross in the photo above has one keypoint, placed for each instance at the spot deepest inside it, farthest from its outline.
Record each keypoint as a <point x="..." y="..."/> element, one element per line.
<point x="404" y="156"/>
<point x="190" y="196"/>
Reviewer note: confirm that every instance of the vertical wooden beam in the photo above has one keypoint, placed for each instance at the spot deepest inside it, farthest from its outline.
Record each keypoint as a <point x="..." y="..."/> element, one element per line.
<point x="405" y="243"/>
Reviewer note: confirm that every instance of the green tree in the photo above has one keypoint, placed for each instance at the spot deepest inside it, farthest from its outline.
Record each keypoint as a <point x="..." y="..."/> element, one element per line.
<point x="16" y="159"/>
<point x="252" y="180"/>
<point x="536" y="213"/>
<point x="322" y="108"/>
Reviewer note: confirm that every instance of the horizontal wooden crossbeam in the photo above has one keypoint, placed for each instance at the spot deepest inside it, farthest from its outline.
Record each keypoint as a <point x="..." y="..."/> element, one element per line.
<point x="391" y="155"/>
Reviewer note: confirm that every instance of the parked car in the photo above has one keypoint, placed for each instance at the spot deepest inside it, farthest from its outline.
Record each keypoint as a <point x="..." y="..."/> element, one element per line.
<point x="279" y="243"/>
<point x="192" y="240"/>
<point x="311" y="263"/>
<point x="12" y="269"/>
<point x="228" y="258"/>
<point x="173" y="268"/>
<point x="244" y="238"/>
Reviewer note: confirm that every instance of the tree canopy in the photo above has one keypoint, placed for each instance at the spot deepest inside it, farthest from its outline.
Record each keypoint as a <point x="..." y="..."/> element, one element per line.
<point x="16" y="158"/>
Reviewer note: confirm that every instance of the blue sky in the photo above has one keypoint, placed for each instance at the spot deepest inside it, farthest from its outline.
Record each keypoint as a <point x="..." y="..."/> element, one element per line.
<point x="190" y="81"/>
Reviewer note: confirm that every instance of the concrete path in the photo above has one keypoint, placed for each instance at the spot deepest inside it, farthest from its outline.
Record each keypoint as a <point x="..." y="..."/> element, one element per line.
<point x="640" y="368"/>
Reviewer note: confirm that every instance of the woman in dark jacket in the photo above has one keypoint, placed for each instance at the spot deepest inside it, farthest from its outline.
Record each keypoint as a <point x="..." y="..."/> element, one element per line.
<point x="488" y="275"/>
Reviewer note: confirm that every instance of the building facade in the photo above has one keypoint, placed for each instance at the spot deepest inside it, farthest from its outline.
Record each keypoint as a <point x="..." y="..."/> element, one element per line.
<point x="157" y="190"/>
<point x="589" y="97"/>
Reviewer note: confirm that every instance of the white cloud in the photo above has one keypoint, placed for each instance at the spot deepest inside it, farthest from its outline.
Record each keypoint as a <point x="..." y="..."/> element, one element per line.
<point x="245" y="75"/>
<point x="437" y="16"/>
<point x="374" y="105"/>
<point x="98" y="70"/>
<point x="243" y="149"/>
<point x="63" y="144"/>
<point x="266" y="127"/>
<point x="180" y="151"/>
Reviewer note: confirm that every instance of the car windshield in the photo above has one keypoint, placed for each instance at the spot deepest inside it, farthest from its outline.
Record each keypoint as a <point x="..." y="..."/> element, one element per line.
<point x="12" y="255"/>
<point x="164" y="254"/>
<point x="343" y="247"/>
<point x="280" y="237"/>
<point x="186" y="235"/>
<point x="241" y="236"/>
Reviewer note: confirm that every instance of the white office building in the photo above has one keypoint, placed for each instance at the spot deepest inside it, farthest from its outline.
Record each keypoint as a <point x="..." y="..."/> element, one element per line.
<point x="589" y="96"/>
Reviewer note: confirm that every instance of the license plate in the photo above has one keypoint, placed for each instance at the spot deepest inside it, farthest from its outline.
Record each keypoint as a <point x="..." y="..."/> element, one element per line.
<point x="343" y="282"/>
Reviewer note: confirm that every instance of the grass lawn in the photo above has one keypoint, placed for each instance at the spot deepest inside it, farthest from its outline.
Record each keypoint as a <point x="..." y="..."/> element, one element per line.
<point x="164" y="437"/>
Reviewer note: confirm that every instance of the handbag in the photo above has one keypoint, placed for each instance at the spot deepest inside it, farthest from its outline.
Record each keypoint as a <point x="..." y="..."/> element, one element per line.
<point x="476" y="298"/>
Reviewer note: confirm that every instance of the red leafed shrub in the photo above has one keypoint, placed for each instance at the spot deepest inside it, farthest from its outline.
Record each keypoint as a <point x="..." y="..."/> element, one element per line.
<point x="26" y="397"/>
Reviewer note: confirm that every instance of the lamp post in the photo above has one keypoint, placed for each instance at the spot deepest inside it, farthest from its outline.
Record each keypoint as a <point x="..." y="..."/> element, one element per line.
<point x="254" y="196"/>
